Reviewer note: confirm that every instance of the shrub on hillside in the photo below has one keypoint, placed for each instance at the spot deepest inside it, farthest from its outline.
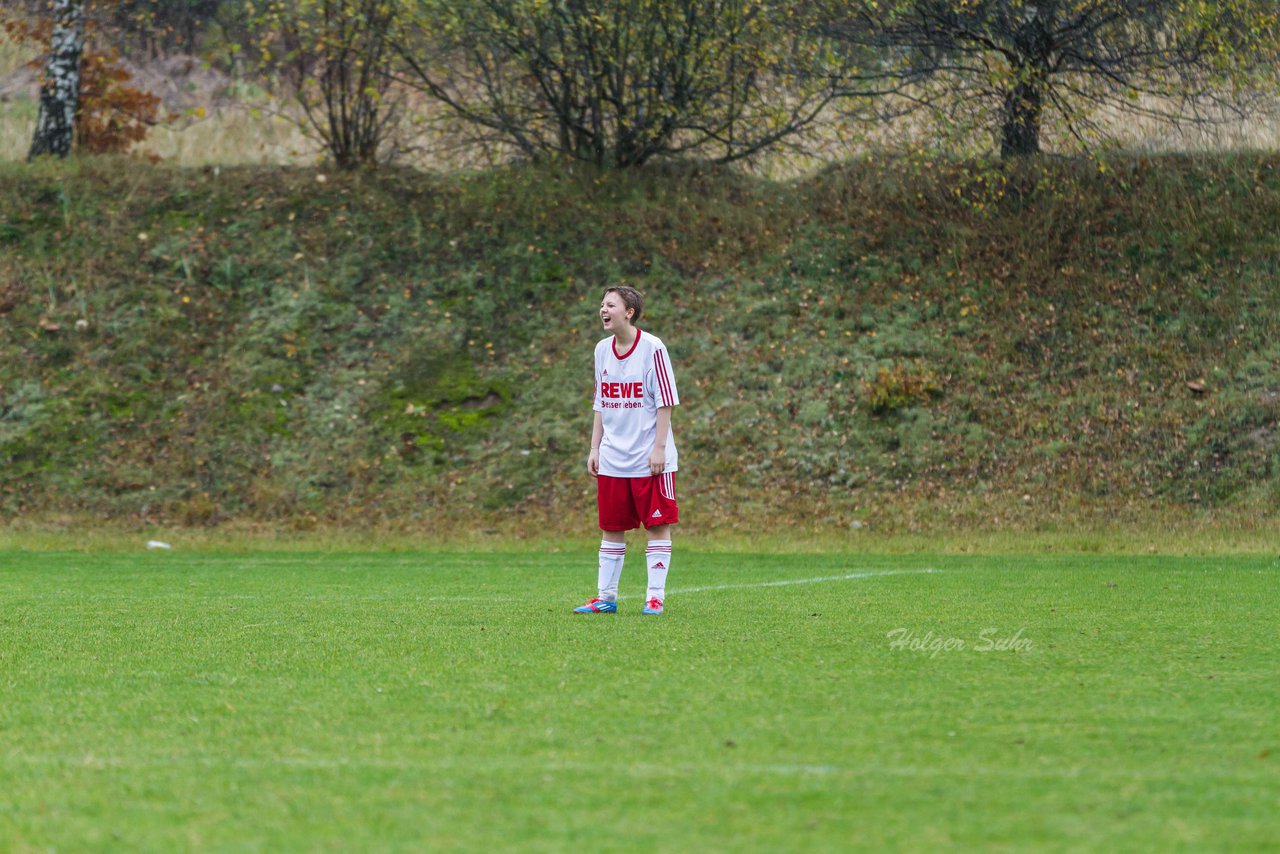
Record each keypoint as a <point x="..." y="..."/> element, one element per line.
<point x="899" y="387"/>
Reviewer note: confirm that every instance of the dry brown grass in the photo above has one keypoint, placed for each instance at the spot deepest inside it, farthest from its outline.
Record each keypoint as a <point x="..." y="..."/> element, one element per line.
<point x="12" y="57"/>
<point x="17" y="114"/>
<point x="228" y="136"/>
<point x="1219" y="131"/>
<point x="233" y="135"/>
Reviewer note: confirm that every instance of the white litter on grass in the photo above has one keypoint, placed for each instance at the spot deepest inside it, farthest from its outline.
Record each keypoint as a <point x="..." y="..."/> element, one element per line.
<point x="157" y="544"/>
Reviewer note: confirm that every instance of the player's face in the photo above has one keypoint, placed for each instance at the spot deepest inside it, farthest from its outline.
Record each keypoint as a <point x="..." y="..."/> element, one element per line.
<point x="613" y="313"/>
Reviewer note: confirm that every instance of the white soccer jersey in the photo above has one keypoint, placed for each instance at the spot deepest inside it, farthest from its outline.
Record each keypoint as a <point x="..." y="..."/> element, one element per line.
<point x="630" y="387"/>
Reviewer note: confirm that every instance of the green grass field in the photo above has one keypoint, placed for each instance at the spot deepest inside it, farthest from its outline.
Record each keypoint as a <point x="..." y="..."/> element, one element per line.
<point x="164" y="701"/>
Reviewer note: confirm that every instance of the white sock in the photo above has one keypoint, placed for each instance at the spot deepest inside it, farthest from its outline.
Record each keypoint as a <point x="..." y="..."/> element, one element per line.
<point x="611" y="557"/>
<point x="658" y="556"/>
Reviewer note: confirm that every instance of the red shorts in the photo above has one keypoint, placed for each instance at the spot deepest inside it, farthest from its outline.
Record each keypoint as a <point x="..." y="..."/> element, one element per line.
<point x="629" y="502"/>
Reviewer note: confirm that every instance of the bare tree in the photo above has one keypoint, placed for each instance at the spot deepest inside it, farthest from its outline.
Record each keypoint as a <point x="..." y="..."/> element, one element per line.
<point x="60" y="88"/>
<point x="620" y="82"/>
<point x="336" y="57"/>
<point x="1024" y="60"/>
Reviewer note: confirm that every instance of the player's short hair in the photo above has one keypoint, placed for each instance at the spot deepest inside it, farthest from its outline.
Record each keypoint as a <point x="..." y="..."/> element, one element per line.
<point x="631" y="298"/>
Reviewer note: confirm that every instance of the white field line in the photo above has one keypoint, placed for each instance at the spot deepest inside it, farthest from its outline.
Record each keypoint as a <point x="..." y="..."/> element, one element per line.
<point x="708" y="588"/>
<point x="786" y="582"/>
<point x="672" y="591"/>
<point x="472" y="766"/>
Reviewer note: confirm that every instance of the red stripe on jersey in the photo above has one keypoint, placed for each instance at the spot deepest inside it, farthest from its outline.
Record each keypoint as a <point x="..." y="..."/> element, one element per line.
<point x="664" y="378"/>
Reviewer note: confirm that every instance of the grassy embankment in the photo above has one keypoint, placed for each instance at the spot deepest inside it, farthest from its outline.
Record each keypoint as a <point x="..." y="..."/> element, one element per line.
<point x="882" y="347"/>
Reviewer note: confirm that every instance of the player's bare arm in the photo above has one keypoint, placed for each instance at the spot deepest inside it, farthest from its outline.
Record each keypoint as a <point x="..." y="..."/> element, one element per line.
<point x="658" y="457"/>
<point x="597" y="435"/>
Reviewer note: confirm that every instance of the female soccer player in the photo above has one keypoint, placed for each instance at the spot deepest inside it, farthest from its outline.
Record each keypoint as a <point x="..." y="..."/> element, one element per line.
<point x="633" y="453"/>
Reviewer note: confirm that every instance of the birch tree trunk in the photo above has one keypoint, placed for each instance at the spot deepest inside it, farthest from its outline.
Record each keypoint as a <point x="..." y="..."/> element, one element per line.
<point x="60" y="91"/>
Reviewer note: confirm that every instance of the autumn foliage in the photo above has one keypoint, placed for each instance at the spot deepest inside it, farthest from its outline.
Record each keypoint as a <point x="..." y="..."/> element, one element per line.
<point x="112" y="114"/>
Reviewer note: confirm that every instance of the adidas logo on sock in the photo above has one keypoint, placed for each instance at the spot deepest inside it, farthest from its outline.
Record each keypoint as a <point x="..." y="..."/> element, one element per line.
<point x="659" y="565"/>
